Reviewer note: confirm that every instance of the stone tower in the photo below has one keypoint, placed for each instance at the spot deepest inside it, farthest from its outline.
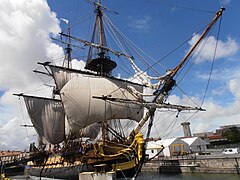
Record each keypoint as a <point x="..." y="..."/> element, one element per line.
<point x="186" y="129"/>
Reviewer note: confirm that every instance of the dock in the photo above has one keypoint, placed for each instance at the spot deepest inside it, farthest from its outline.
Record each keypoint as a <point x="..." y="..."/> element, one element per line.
<point x="13" y="162"/>
<point x="219" y="164"/>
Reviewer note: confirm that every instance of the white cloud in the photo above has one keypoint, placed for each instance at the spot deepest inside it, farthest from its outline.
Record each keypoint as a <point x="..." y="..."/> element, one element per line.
<point x="14" y="137"/>
<point x="25" y="27"/>
<point x="139" y="24"/>
<point x="78" y="64"/>
<point x="222" y="74"/>
<point x="24" y="30"/>
<point x="224" y="49"/>
<point x="215" y="115"/>
<point x="224" y="2"/>
<point x="234" y="87"/>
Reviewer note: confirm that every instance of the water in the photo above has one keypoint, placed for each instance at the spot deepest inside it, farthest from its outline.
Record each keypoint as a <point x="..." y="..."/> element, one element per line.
<point x="157" y="176"/>
<point x="188" y="176"/>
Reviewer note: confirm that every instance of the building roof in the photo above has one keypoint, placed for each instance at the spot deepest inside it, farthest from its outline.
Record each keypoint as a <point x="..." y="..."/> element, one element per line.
<point x="159" y="143"/>
<point x="214" y="137"/>
<point x="9" y="153"/>
<point x="194" y="140"/>
<point x="164" y="142"/>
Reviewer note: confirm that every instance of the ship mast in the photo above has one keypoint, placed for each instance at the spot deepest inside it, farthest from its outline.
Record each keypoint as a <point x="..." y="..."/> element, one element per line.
<point x="68" y="49"/>
<point x="99" y="17"/>
<point x="102" y="64"/>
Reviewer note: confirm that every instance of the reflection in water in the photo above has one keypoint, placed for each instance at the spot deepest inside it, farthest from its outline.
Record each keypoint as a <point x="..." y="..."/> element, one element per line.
<point x="157" y="176"/>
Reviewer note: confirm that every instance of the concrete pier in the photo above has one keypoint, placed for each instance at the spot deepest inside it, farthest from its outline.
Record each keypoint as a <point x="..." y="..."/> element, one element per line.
<point x="229" y="164"/>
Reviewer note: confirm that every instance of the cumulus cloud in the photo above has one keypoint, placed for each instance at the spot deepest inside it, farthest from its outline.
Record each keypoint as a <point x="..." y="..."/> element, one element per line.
<point x="216" y="115"/>
<point x="224" y="49"/>
<point x="25" y="27"/>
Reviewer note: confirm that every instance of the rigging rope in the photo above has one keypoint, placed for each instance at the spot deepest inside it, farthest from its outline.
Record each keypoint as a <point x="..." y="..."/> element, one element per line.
<point x="213" y="60"/>
<point x="194" y="113"/>
<point x="75" y="18"/>
<point x="24" y="119"/>
<point x="202" y="45"/>
<point x="133" y="46"/>
<point x="180" y="7"/>
<point x="157" y="62"/>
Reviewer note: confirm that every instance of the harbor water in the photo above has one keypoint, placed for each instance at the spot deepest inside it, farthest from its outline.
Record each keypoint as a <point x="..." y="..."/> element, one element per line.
<point x="158" y="176"/>
<point x="187" y="176"/>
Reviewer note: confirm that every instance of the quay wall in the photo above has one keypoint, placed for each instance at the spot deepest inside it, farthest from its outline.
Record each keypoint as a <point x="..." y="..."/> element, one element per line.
<point x="197" y="164"/>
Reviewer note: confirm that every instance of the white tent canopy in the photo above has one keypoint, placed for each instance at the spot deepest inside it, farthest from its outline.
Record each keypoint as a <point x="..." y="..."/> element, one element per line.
<point x="196" y="144"/>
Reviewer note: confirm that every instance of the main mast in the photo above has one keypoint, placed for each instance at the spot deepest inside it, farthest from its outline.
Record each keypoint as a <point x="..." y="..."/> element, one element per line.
<point x="68" y="49"/>
<point x="102" y="64"/>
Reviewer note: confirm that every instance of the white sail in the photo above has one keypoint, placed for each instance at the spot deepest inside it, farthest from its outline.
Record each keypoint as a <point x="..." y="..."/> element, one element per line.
<point x="47" y="116"/>
<point x="61" y="75"/>
<point x="82" y="109"/>
<point x="90" y="131"/>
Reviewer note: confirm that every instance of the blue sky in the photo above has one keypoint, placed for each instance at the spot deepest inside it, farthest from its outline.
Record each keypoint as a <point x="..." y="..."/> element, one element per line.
<point x="156" y="26"/>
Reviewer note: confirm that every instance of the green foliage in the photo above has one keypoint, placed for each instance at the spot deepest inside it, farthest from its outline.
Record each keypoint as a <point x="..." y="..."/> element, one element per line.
<point x="232" y="134"/>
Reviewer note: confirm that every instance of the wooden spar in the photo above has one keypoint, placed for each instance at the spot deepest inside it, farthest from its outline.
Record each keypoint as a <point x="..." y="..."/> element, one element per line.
<point x="47" y="64"/>
<point x="150" y="105"/>
<point x="170" y="82"/>
<point x="40" y="72"/>
<point x="68" y="49"/>
<point x="99" y="17"/>
<point x="66" y="42"/>
<point x="218" y="14"/>
<point x="26" y="125"/>
<point x="45" y="98"/>
<point x="87" y="43"/>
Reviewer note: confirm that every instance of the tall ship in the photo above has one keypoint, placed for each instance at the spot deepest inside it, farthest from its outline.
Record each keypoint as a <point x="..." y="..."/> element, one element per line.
<point x="94" y="120"/>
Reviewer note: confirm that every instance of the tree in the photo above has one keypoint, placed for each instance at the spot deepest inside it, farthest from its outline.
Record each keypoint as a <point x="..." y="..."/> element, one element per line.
<point x="232" y="135"/>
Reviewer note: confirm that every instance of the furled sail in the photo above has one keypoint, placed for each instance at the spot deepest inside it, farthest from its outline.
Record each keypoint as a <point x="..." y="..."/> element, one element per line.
<point x="82" y="109"/>
<point x="47" y="116"/>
